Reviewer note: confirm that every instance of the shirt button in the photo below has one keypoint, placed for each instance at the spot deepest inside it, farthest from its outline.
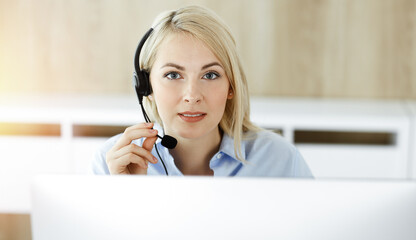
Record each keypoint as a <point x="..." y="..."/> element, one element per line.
<point x="219" y="155"/>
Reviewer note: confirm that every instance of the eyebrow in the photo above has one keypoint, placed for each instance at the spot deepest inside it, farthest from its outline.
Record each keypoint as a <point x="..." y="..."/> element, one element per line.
<point x="210" y="65"/>
<point x="173" y="65"/>
<point x="183" y="68"/>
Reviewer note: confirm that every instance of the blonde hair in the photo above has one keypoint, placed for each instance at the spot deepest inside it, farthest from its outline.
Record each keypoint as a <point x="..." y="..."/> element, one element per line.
<point x="206" y="26"/>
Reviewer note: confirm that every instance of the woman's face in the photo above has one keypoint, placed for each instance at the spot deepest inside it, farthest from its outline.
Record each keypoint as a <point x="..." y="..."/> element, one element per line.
<point x="189" y="86"/>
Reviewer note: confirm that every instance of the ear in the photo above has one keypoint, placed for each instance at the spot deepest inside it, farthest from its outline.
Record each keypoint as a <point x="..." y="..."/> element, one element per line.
<point x="230" y="95"/>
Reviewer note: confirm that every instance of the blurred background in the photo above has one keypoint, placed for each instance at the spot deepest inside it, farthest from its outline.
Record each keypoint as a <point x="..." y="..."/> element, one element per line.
<point x="320" y="48"/>
<point x="61" y="58"/>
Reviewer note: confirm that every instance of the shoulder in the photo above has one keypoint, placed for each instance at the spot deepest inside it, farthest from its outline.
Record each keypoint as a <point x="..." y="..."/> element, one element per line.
<point x="109" y="143"/>
<point x="274" y="155"/>
<point x="267" y="140"/>
<point x="99" y="165"/>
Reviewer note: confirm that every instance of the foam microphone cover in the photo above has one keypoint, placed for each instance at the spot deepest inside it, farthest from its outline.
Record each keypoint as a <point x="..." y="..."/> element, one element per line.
<point x="169" y="142"/>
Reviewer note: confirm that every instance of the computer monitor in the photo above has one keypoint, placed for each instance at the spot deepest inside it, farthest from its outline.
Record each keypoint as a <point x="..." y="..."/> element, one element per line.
<point x="146" y="207"/>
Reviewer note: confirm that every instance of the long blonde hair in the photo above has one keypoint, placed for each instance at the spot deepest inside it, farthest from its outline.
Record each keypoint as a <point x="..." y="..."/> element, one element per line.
<point x="206" y="26"/>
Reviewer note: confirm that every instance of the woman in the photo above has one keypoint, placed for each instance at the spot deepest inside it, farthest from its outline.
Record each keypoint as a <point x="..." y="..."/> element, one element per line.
<point x="200" y="97"/>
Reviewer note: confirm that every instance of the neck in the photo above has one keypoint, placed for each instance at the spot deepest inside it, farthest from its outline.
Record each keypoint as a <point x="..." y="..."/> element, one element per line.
<point x="192" y="156"/>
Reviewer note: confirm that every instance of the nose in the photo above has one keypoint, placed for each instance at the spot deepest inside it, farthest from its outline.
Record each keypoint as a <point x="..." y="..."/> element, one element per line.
<point x="193" y="93"/>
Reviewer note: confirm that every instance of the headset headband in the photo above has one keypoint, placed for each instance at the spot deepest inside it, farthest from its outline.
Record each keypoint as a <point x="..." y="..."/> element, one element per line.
<point x="139" y="49"/>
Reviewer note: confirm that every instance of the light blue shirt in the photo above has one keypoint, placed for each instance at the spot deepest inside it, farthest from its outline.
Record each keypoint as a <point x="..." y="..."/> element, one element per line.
<point x="267" y="155"/>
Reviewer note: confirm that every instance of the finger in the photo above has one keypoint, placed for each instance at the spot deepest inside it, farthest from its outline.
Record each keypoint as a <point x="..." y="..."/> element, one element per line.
<point x="129" y="163"/>
<point x="131" y="158"/>
<point x="133" y="148"/>
<point x="148" y="143"/>
<point x="136" y="169"/>
<point x="133" y="133"/>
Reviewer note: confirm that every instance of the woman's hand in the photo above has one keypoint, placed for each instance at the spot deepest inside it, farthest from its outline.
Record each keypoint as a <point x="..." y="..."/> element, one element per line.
<point x="126" y="157"/>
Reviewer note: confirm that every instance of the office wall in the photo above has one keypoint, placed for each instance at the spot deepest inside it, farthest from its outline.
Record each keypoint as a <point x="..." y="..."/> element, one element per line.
<point x="321" y="48"/>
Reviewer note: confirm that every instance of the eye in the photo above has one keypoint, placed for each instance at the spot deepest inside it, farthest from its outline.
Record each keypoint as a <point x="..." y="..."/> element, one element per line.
<point x="172" y="75"/>
<point x="211" y="75"/>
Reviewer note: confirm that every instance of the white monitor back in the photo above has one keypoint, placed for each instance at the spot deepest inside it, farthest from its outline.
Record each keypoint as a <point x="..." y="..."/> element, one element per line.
<point x="145" y="207"/>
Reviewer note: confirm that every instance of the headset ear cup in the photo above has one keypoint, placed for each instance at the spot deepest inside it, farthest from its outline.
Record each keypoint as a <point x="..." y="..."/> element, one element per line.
<point x="136" y="84"/>
<point x="146" y="80"/>
<point x="142" y="84"/>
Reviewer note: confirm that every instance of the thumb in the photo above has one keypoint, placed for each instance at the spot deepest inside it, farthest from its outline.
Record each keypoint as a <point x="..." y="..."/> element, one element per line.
<point x="148" y="143"/>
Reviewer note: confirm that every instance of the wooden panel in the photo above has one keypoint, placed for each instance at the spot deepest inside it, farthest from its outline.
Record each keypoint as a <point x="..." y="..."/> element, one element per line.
<point x="15" y="227"/>
<point x="30" y="129"/>
<point x="97" y="130"/>
<point x="339" y="137"/>
<point x="322" y="48"/>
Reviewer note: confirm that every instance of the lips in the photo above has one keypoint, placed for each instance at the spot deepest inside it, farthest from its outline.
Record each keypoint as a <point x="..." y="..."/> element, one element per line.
<point x="192" y="116"/>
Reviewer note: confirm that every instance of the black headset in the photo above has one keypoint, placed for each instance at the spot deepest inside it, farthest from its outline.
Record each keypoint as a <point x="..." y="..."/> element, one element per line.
<point x="141" y="78"/>
<point x="141" y="82"/>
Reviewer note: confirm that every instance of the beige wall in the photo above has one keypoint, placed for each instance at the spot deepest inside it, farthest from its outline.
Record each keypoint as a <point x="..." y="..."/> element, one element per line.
<point x="324" y="48"/>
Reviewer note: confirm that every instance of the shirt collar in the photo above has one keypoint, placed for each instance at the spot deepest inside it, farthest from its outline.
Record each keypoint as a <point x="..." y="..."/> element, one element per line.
<point x="227" y="147"/>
